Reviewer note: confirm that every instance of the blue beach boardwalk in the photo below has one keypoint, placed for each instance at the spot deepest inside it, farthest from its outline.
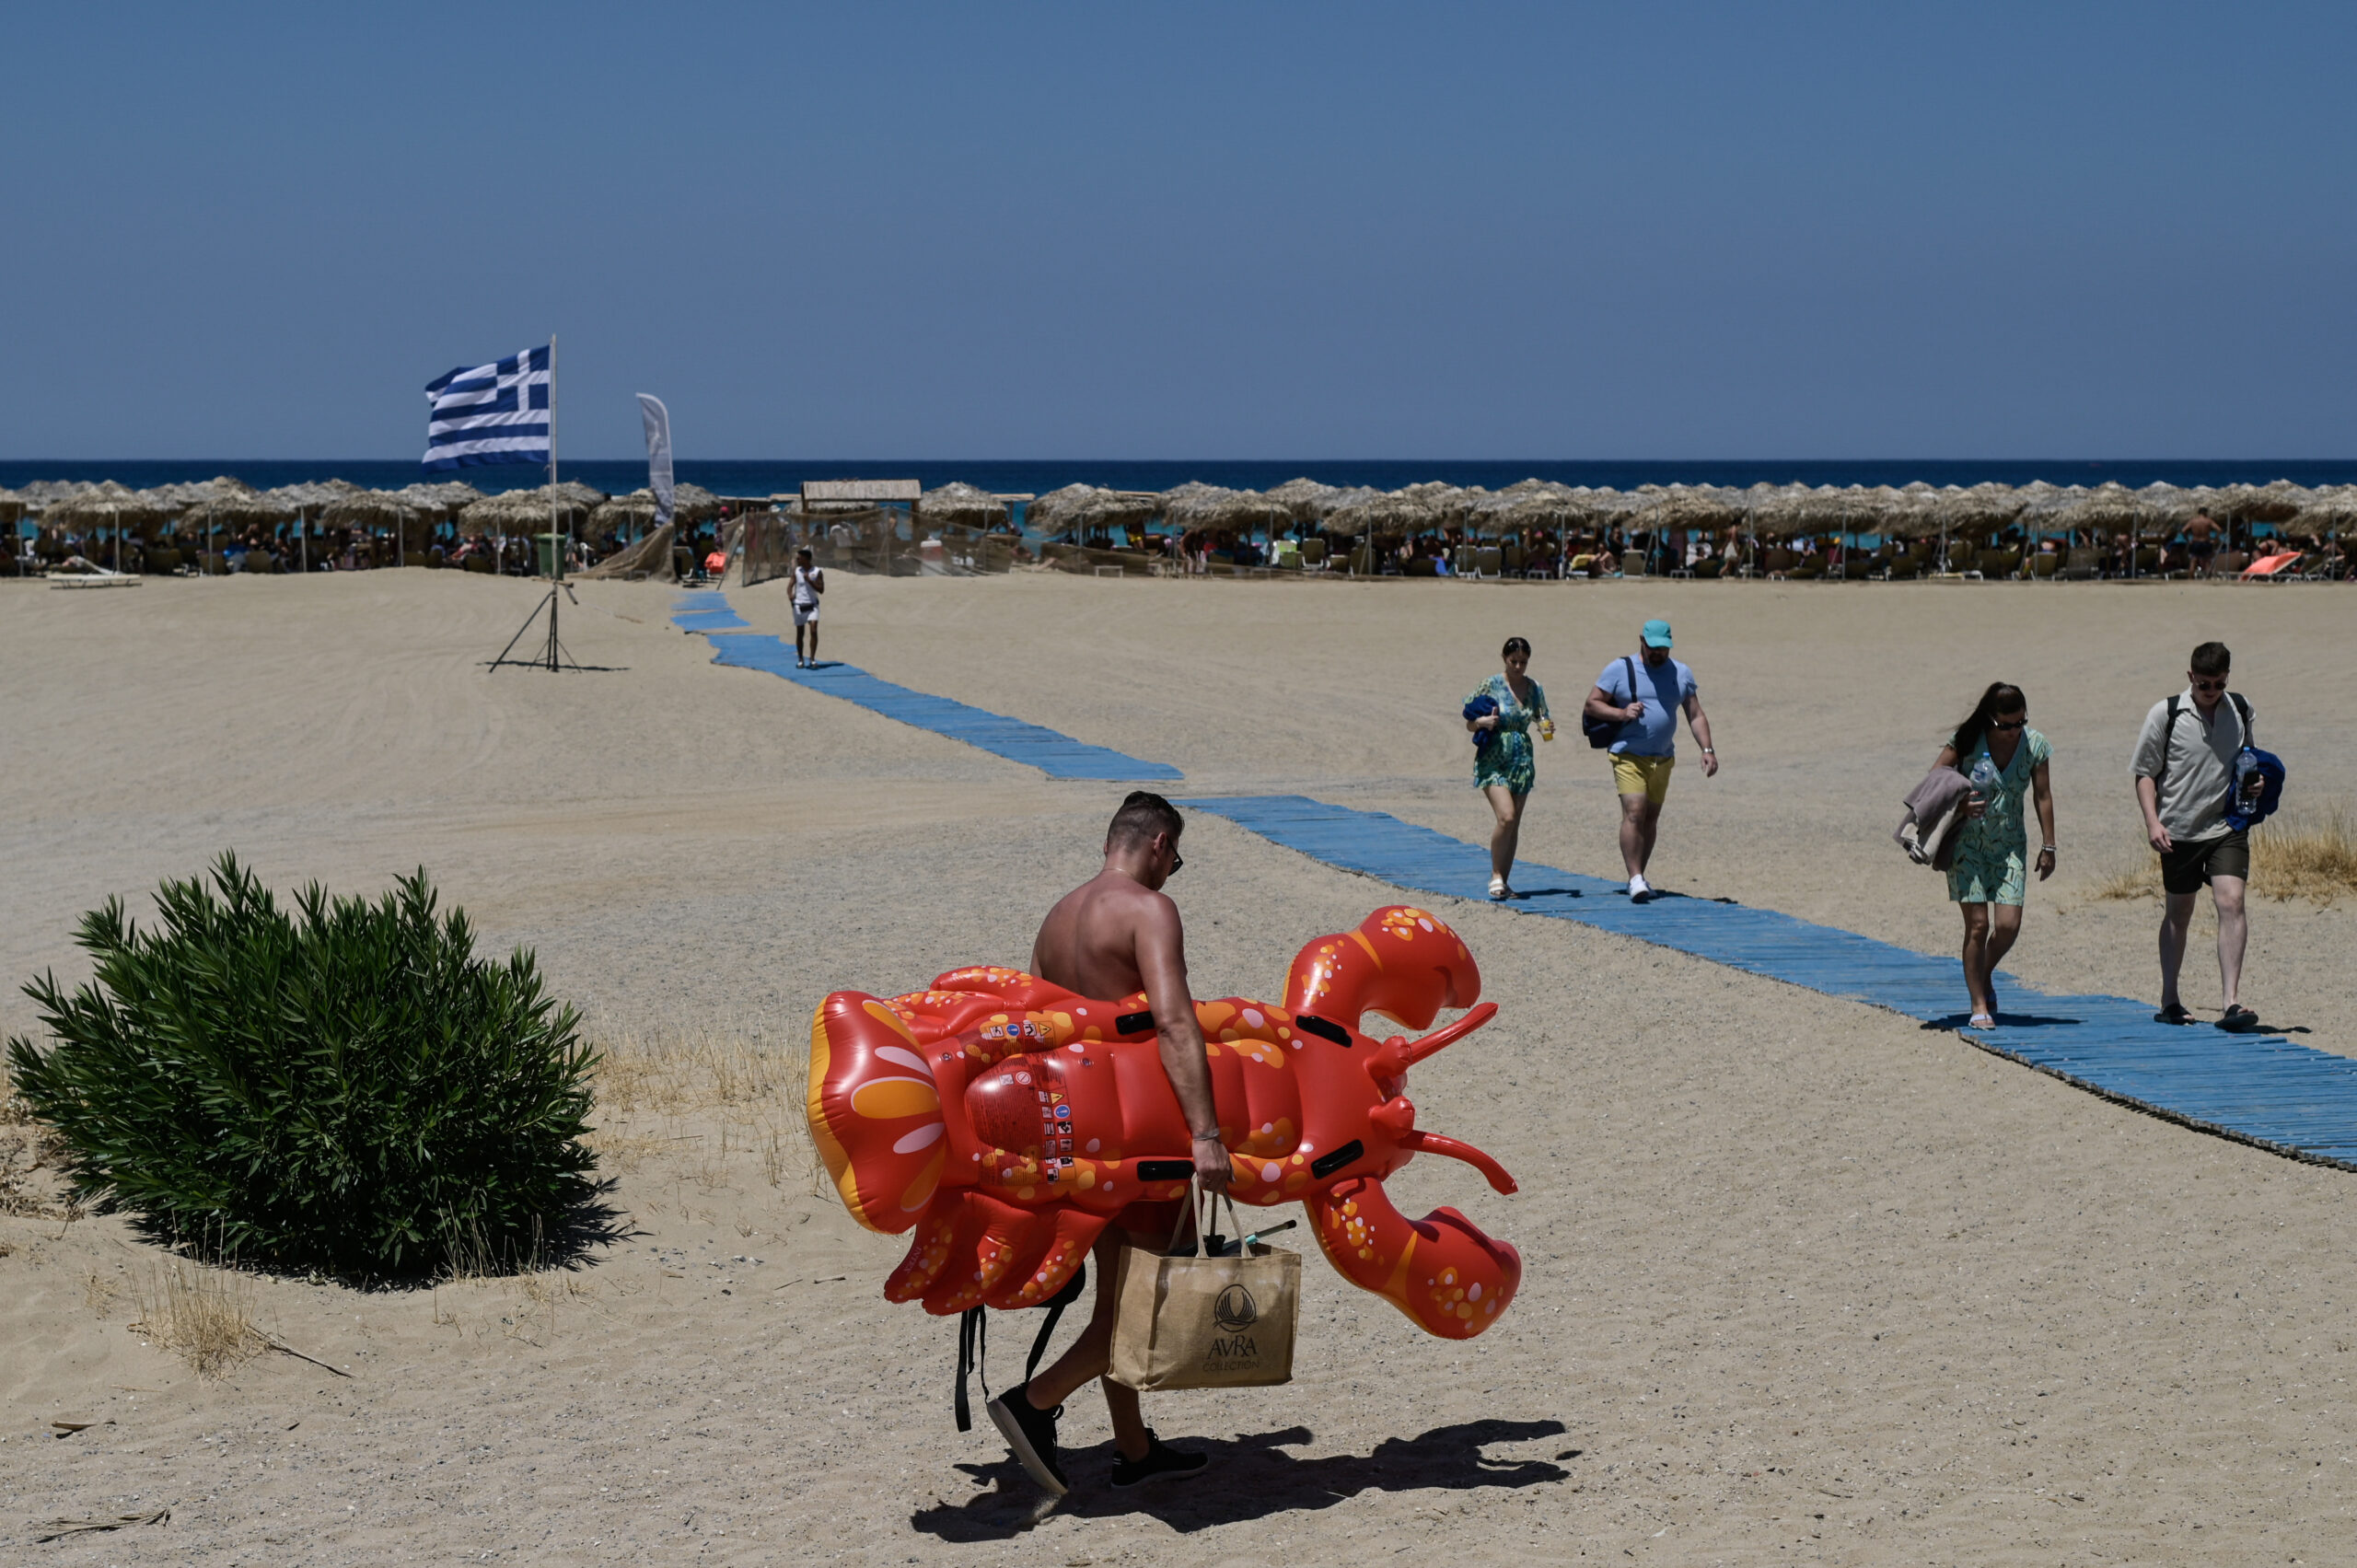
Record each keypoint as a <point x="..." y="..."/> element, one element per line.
<point x="2260" y="1089"/>
<point x="1058" y="756"/>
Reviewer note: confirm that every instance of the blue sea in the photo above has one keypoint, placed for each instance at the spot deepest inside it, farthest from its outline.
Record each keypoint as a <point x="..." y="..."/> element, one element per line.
<point x="772" y="476"/>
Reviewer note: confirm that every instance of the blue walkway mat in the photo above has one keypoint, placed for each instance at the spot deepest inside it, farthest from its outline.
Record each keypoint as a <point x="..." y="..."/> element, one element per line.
<point x="2259" y="1089"/>
<point x="1059" y="756"/>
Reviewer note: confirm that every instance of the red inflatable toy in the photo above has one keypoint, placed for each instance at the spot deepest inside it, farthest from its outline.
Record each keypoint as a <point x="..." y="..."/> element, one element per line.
<point x="1007" y="1122"/>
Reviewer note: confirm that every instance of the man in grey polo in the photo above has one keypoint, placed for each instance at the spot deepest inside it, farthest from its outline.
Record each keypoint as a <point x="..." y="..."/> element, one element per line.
<point x="2184" y="772"/>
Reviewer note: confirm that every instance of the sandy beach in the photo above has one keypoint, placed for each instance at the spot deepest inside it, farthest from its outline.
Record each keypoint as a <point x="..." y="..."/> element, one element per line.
<point x="1805" y="1280"/>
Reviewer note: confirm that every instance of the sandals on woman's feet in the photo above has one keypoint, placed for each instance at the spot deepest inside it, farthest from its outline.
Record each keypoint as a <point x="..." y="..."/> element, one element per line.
<point x="2174" y="1013"/>
<point x="1498" y="888"/>
<point x="1981" y="1021"/>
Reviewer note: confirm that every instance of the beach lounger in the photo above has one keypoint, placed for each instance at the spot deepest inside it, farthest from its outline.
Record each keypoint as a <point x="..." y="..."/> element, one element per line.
<point x="2271" y="566"/>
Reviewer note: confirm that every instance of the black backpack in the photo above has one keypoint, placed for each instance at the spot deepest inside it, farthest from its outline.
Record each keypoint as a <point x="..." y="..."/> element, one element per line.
<point x="1602" y="733"/>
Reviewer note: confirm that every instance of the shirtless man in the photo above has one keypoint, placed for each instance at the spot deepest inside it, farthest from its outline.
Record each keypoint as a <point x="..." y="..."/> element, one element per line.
<point x="1117" y="934"/>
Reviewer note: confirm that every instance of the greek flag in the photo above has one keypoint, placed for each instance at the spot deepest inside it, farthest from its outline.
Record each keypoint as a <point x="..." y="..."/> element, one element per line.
<point x="490" y="414"/>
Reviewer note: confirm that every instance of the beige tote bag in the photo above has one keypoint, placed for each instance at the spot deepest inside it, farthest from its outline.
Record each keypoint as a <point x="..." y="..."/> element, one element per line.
<point x="1197" y="1322"/>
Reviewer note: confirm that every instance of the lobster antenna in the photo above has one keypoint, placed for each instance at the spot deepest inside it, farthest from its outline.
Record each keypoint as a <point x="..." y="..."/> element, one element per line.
<point x="1450" y="1148"/>
<point x="1442" y="1039"/>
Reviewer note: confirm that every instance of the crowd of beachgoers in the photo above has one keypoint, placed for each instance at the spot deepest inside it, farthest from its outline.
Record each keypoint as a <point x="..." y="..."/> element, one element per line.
<point x="1533" y="530"/>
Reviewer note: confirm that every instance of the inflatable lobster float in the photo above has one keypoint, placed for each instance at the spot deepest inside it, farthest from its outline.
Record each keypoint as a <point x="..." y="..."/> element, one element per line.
<point x="1007" y="1122"/>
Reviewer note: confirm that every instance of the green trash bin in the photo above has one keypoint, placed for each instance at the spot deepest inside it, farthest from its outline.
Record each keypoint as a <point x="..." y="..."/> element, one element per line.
<point x="549" y="543"/>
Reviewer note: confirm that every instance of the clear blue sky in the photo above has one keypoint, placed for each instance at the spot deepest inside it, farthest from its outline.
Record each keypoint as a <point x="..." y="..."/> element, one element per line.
<point x="1193" y="230"/>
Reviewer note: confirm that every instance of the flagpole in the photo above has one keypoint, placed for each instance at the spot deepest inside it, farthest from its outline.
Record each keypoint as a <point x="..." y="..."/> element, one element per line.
<point x="556" y="551"/>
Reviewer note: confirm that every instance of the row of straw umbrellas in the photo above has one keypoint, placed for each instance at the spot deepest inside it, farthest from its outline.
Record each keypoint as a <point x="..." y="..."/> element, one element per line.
<point x="1767" y="511"/>
<point x="229" y="504"/>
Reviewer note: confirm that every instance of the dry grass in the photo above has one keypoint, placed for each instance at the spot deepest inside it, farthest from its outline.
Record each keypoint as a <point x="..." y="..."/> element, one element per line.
<point x="742" y="1095"/>
<point x="701" y="1069"/>
<point x="2307" y="854"/>
<point x="2302" y="852"/>
<point x="204" y="1315"/>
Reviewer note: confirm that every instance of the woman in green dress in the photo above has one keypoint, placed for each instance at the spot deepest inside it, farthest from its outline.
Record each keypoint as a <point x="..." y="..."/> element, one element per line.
<point x="1989" y="877"/>
<point x="1505" y="768"/>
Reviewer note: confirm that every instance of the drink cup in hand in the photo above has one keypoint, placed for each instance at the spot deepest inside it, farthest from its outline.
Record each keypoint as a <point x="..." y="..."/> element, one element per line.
<point x="1545" y="728"/>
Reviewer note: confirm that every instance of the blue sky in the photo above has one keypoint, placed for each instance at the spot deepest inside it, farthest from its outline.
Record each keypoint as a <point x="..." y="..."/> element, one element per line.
<point x="1146" y="231"/>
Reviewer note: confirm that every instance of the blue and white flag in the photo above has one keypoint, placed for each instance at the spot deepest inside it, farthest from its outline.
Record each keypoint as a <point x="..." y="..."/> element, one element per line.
<point x="490" y="414"/>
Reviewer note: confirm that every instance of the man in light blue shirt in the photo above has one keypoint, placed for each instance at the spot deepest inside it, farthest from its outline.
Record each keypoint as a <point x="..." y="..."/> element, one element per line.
<point x="1643" y="695"/>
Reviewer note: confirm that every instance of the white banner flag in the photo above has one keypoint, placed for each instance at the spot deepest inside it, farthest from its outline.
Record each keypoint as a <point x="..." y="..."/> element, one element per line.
<point x="659" y="453"/>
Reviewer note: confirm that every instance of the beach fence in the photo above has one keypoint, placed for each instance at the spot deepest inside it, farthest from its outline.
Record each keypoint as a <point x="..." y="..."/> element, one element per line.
<point x="883" y="541"/>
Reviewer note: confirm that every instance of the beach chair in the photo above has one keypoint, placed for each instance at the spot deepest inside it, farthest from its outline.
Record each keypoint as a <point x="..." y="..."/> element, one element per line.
<point x="2272" y="569"/>
<point x="2082" y="564"/>
<point x="2044" y="565"/>
<point x="1488" y="561"/>
<point x="1997" y="564"/>
<point x="1511" y="557"/>
<point x="1313" y="555"/>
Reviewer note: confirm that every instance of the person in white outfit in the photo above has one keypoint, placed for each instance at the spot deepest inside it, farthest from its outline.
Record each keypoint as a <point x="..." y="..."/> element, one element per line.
<point x="809" y="582"/>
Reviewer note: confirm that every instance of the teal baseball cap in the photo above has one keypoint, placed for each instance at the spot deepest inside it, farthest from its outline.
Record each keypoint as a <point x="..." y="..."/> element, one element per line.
<point x="1656" y="634"/>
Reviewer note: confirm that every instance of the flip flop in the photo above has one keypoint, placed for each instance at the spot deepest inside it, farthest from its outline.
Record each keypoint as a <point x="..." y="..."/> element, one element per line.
<point x="2238" y="1021"/>
<point x="1981" y="1021"/>
<point x="2174" y="1013"/>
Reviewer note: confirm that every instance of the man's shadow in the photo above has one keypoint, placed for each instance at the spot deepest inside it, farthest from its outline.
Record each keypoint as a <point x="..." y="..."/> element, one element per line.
<point x="1250" y="1478"/>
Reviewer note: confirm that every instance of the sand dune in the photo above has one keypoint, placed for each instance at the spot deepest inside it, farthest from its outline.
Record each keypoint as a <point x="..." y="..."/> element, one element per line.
<point x="1803" y="1276"/>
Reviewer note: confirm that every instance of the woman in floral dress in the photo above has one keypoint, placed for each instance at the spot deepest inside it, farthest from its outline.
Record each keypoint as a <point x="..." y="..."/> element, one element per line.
<point x="1989" y="877"/>
<point x="1503" y="766"/>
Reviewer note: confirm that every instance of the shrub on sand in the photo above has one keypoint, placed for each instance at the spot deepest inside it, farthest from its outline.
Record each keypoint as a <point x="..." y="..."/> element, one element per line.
<point x="345" y="1089"/>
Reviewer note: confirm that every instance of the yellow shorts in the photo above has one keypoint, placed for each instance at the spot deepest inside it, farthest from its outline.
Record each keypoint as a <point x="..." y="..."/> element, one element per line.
<point x="1648" y="776"/>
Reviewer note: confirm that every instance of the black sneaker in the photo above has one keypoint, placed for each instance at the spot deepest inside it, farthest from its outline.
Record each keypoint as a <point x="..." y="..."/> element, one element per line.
<point x="1161" y="1463"/>
<point x="1031" y="1435"/>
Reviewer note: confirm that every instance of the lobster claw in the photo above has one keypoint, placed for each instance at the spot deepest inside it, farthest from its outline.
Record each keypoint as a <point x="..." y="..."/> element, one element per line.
<point x="1441" y="1270"/>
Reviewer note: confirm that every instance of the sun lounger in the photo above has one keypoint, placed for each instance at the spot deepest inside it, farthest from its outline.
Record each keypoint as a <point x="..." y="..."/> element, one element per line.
<point x="2271" y="566"/>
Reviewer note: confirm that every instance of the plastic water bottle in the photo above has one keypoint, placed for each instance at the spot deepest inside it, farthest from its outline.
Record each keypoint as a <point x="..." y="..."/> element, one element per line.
<point x="2248" y="785"/>
<point x="1984" y="781"/>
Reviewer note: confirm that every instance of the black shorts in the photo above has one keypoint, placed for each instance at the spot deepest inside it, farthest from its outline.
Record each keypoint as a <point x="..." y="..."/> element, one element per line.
<point x="2185" y="868"/>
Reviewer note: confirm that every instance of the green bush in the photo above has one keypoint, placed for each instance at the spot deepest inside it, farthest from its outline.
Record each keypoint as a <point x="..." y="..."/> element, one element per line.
<point x="348" y="1089"/>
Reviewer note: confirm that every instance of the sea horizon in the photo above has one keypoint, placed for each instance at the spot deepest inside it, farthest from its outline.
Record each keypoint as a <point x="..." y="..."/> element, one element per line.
<point x="763" y="476"/>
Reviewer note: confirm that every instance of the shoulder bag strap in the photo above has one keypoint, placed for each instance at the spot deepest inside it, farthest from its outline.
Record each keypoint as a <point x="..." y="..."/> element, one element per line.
<point x="2168" y="738"/>
<point x="973" y="1332"/>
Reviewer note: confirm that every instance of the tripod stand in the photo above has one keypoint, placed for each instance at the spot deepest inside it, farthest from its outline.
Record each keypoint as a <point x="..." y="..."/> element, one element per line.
<point x="549" y="657"/>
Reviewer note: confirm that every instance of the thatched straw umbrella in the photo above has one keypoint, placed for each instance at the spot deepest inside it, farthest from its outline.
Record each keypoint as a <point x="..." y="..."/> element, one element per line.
<point x="528" y="514"/>
<point x="1077" y="506"/>
<point x="1198" y="506"/>
<point x="370" y="510"/>
<point x="1195" y="505"/>
<point x="109" y="506"/>
<point x="964" y="505"/>
<point x="1304" y="500"/>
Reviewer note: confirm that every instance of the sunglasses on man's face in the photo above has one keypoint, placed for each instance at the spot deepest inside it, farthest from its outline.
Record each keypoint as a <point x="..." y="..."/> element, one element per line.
<point x="1178" y="864"/>
<point x="2218" y="685"/>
